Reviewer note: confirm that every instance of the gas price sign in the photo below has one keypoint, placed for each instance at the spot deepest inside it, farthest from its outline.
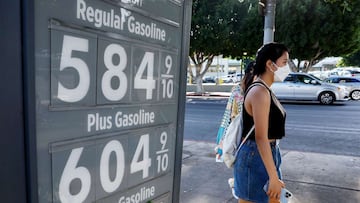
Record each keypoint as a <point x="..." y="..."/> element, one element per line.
<point x="107" y="79"/>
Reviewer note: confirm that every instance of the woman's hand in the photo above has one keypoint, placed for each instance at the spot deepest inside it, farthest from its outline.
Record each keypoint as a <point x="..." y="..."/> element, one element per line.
<point x="274" y="189"/>
<point x="218" y="150"/>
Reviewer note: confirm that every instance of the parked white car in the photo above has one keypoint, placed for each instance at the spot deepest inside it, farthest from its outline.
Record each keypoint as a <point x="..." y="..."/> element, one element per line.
<point x="320" y="74"/>
<point x="355" y="73"/>
<point x="305" y="87"/>
<point x="346" y="73"/>
<point x="352" y="84"/>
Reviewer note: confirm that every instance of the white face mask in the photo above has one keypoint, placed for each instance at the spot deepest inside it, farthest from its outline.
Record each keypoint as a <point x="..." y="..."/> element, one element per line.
<point x="281" y="73"/>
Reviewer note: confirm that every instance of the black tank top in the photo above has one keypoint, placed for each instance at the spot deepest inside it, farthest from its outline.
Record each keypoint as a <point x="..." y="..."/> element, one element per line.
<point x="277" y="117"/>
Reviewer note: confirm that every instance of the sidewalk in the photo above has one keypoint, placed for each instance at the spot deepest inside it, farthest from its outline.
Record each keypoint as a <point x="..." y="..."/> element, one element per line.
<point x="311" y="177"/>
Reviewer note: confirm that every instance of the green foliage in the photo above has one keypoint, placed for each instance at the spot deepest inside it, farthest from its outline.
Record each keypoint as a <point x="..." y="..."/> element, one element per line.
<point x="219" y="27"/>
<point x="248" y="31"/>
<point x="312" y="29"/>
<point x="203" y="30"/>
<point x="315" y="29"/>
<point x="351" y="60"/>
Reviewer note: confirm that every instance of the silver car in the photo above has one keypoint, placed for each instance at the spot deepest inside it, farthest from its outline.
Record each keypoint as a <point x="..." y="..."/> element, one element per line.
<point x="352" y="85"/>
<point x="305" y="87"/>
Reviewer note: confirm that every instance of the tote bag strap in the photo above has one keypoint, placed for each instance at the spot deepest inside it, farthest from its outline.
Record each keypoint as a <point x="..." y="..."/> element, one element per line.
<point x="244" y="140"/>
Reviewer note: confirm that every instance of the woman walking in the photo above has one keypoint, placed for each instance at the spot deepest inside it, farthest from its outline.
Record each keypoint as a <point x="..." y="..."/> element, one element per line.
<point x="258" y="161"/>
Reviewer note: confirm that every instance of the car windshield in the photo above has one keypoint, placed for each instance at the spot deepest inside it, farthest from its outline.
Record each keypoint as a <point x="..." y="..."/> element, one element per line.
<point x="315" y="77"/>
<point x="304" y="79"/>
<point x="332" y="80"/>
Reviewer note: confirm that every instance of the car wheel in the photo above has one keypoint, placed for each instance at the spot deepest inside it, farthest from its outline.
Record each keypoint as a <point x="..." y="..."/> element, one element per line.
<point x="326" y="98"/>
<point x="355" y="95"/>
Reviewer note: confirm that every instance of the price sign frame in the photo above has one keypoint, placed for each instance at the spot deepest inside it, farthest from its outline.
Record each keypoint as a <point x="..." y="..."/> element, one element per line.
<point x="105" y="85"/>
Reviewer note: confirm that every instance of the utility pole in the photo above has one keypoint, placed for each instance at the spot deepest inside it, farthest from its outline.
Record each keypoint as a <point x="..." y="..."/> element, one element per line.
<point x="267" y="9"/>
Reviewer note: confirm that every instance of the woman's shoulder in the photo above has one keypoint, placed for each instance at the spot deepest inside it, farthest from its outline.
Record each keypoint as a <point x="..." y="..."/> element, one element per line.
<point x="258" y="92"/>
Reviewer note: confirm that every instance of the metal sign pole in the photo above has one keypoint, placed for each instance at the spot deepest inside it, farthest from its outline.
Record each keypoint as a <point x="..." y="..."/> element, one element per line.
<point x="12" y="153"/>
<point x="182" y="98"/>
<point x="269" y="21"/>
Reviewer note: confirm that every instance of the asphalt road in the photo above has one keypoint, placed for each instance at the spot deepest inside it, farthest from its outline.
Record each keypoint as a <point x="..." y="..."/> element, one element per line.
<point x="310" y="127"/>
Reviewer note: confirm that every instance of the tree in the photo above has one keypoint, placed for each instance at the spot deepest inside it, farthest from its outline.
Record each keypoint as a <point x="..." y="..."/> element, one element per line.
<point x="315" y="29"/>
<point x="312" y="29"/>
<point x="216" y="28"/>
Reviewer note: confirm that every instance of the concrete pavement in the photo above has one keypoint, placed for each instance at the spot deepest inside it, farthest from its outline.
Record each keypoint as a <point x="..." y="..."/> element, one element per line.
<point x="311" y="177"/>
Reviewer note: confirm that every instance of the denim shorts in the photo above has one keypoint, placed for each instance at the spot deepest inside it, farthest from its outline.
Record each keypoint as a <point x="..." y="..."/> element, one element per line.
<point x="250" y="174"/>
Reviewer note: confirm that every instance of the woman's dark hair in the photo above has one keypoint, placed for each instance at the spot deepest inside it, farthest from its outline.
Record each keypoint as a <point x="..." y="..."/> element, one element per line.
<point x="271" y="51"/>
<point x="249" y="76"/>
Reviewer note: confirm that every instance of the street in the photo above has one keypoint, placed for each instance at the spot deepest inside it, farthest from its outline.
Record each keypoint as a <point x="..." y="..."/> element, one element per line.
<point x="320" y="153"/>
<point x="310" y="127"/>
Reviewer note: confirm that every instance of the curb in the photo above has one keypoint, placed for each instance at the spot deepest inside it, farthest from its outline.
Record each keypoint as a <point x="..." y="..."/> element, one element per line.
<point x="208" y="94"/>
